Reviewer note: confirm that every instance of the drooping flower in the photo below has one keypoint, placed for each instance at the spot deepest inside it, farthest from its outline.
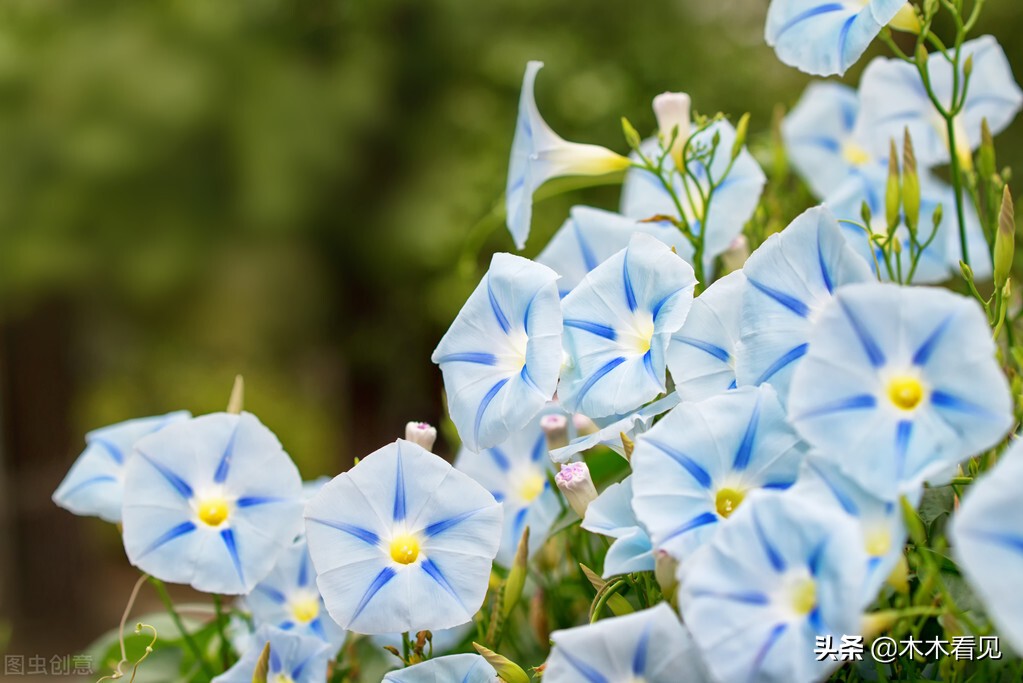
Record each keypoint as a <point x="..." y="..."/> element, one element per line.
<point x="779" y="574"/>
<point x="731" y="206"/>
<point x="701" y="355"/>
<point x="650" y="645"/>
<point x="94" y="486"/>
<point x="614" y="428"/>
<point x="461" y="668"/>
<point x="539" y="154"/>
<point x="502" y="354"/>
<point x="294" y="658"/>
<point x="699" y="463"/>
<point x="402" y="542"/>
<point x="893" y="99"/>
<point x="611" y="515"/>
<point x="516" y="474"/>
<point x="617" y="325"/>
<point x="591" y="236"/>
<point x="289" y="600"/>
<point x="824" y="37"/>
<point x="212" y="502"/>
<point x="898" y="384"/>
<point x="987" y="541"/>
<point x="789" y="279"/>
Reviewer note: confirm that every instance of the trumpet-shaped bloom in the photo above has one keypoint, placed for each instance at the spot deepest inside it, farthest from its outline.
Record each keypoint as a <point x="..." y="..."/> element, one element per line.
<point x="898" y="384"/>
<point x="610" y="434"/>
<point x="591" y="236"/>
<point x="502" y="354"/>
<point x="893" y="99"/>
<point x="460" y="668"/>
<point x="617" y="325"/>
<point x="701" y="355"/>
<point x="211" y="502"/>
<point x="781" y="573"/>
<point x="94" y="486"/>
<point x="789" y="279"/>
<point x="516" y="474"/>
<point x="294" y="658"/>
<point x="611" y="515"/>
<point x="288" y="599"/>
<point x="733" y="202"/>
<point x="826" y="37"/>
<point x="402" y="542"/>
<point x="819" y="137"/>
<point x="987" y="540"/>
<point x="651" y="646"/>
<point x="699" y="463"/>
<point x="539" y="154"/>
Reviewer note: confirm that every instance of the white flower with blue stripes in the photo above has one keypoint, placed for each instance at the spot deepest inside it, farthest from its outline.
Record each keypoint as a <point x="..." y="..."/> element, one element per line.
<point x="450" y="669"/>
<point x="611" y="429"/>
<point x="611" y="515"/>
<point x="294" y="658"/>
<point x="212" y="502"/>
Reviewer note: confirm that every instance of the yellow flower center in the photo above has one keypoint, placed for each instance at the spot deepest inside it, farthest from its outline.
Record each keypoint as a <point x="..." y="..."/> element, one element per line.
<point x="877" y="542"/>
<point x="803" y="596"/>
<point x="855" y="154"/>
<point x="531" y="486"/>
<point x="305" y="609"/>
<point x="404" y="548"/>
<point x="642" y="332"/>
<point x="727" y="501"/>
<point x="905" y="392"/>
<point x="213" y="511"/>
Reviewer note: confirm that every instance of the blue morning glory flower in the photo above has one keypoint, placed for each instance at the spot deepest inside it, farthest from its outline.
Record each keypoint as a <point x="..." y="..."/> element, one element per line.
<point x="893" y="99"/>
<point x="402" y="542"/>
<point x="516" y="473"/>
<point x="617" y="325"/>
<point x="460" y="668"/>
<point x="502" y="355"/>
<point x="94" y="485"/>
<point x="650" y="646"/>
<point x="611" y="515"/>
<point x="294" y="658"/>
<point x="826" y="37"/>
<point x="789" y="279"/>
<point x="211" y="502"/>
<point x="610" y="434"/>
<point x="733" y="203"/>
<point x="987" y="541"/>
<point x="539" y="154"/>
<point x="779" y="574"/>
<point x="898" y="384"/>
<point x="591" y="236"/>
<point x="288" y="599"/>
<point x="697" y="465"/>
<point x="701" y="355"/>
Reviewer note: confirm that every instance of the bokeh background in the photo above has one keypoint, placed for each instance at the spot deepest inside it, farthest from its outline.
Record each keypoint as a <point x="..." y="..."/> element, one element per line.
<point x="294" y="190"/>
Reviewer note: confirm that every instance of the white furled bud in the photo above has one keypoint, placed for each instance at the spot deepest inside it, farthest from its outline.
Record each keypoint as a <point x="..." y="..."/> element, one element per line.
<point x="672" y="110"/>
<point x="575" y="482"/>
<point x="556" y="428"/>
<point x="421" y="434"/>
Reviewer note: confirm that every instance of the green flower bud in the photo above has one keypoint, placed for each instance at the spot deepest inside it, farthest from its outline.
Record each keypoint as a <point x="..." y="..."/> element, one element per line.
<point x="892" y="193"/>
<point x="1005" y="239"/>
<point x="506" y="669"/>
<point x="517" y="576"/>
<point x="910" y="184"/>
<point x="262" y="669"/>
<point x="986" y="163"/>
<point x="631" y="134"/>
<point x="741" y="130"/>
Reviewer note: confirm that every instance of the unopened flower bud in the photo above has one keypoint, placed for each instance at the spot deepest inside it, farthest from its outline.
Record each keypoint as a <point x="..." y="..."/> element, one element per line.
<point x="893" y="192"/>
<point x="1005" y="239"/>
<point x="735" y="256"/>
<point x="741" y="130"/>
<point x="906" y="20"/>
<point x="584" y="426"/>
<point x="910" y="184"/>
<point x="556" y="428"/>
<point x="666" y="572"/>
<point x="506" y="669"/>
<point x="575" y="482"/>
<point x="421" y="434"/>
<point x="986" y="163"/>
<point x="672" y="111"/>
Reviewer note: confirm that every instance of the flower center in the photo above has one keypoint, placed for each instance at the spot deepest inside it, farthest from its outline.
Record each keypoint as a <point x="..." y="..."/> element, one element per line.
<point x="727" y="501"/>
<point x="305" y="609"/>
<point x="905" y="392"/>
<point x="803" y="596"/>
<point x="404" y="548"/>
<point x="531" y="486"/>
<point x="213" y="511"/>
<point x="877" y="542"/>
<point x="642" y="332"/>
<point x="855" y="154"/>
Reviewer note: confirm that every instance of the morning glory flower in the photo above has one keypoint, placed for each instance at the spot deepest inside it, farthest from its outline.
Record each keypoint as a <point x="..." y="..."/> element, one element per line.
<point x="987" y="541"/>
<point x="893" y="99"/>
<point x="733" y="203"/>
<point x="611" y="515"/>
<point x="650" y="645"/>
<point x="211" y="502"/>
<point x="94" y="485"/>
<point x="402" y="542"/>
<point x="463" y="668"/>
<point x="779" y="574"/>
<point x="789" y="279"/>
<point x="515" y="473"/>
<point x="288" y="599"/>
<point x="617" y="325"/>
<point x="539" y="154"/>
<point x="294" y="658"/>
<point x="610" y="435"/>
<point x="826" y="37"/>
<point x="697" y="465"/>
<point x="701" y="355"/>
<point x="898" y="384"/>
<point x="591" y="236"/>
<point x="502" y="354"/>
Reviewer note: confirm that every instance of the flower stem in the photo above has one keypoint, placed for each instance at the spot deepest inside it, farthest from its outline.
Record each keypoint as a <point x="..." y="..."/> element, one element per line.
<point x="957" y="185"/>
<point x="161" y="590"/>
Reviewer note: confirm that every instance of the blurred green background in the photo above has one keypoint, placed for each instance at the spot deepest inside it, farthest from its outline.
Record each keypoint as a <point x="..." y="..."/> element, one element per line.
<point x="192" y="189"/>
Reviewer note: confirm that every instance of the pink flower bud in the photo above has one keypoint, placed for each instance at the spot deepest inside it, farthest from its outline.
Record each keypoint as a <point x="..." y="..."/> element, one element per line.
<point x="421" y="434"/>
<point x="575" y="482"/>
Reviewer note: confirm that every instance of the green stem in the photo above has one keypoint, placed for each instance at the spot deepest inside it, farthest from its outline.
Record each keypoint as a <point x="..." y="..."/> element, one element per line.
<point x="610" y="590"/>
<point x="406" y="646"/>
<point x="225" y="649"/>
<point x="957" y="185"/>
<point x="161" y="590"/>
